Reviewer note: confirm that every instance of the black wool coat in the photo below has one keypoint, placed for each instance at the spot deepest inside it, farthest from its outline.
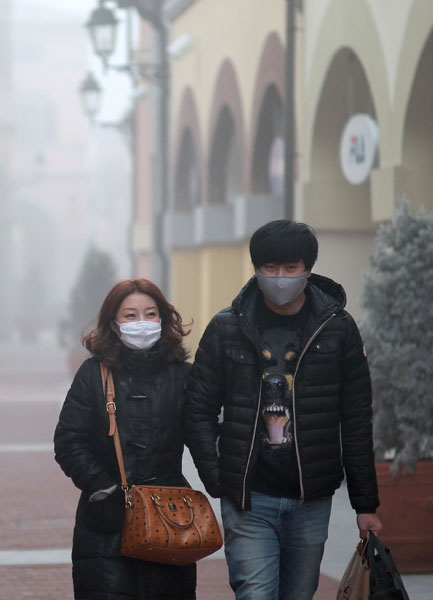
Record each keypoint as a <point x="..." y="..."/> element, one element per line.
<point x="149" y="396"/>
<point x="331" y="401"/>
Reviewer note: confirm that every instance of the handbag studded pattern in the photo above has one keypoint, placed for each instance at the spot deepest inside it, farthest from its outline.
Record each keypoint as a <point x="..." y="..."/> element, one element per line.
<point x="167" y="524"/>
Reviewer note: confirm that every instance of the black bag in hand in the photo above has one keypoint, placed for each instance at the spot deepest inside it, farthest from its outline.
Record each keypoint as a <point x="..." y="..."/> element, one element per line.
<point x="385" y="580"/>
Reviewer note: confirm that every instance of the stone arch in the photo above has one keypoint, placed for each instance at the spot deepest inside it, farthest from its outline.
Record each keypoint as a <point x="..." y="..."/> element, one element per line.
<point x="187" y="191"/>
<point x="331" y="201"/>
<point x="417" y="33"/>
<point x="269" y="132"/>
<point x="267" y="111"/>
<point x="417" y="142"/>
<point x="225" y="166"/>
<point x="364" y="40"/>
<point x="228" y="148"/>
<point x="188" y="158"/>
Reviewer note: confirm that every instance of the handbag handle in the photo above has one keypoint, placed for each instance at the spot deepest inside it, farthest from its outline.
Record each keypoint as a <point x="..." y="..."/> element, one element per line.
<point x="110" y="405"/>
<point x="189" y="505"/>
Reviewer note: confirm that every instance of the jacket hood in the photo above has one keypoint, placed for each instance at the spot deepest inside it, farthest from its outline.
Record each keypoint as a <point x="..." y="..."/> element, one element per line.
<point x="325" y="295"/>
<point x="332" y="291"/>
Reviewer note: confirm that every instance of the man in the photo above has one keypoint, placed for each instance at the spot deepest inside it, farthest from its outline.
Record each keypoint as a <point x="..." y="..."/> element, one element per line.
<point x="285" y="364"/>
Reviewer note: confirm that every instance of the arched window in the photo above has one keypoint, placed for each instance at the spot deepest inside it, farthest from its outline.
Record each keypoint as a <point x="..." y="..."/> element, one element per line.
<point x="268" y="157"/>
<point x="418" y="133"/>
<point x="187" y="192"/>
<point x="225" y="165"/>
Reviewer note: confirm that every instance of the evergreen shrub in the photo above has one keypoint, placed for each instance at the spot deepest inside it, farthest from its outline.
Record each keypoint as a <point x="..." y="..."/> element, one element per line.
<point x="398" y="337"/>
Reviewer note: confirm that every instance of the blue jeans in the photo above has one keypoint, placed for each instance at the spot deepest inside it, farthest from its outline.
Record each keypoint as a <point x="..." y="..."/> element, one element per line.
<point x="274" y="551"/>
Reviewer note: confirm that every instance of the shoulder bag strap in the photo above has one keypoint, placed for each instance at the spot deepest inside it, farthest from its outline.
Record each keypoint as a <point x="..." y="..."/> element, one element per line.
<point x="108" y="388"/>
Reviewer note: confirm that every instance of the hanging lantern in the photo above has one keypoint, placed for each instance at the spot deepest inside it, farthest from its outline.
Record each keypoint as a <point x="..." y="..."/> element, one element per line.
<point x="102" y="26"/>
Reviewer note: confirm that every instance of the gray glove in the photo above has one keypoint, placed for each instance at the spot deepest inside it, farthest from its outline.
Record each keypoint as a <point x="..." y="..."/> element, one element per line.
<point x="102" y="494"/>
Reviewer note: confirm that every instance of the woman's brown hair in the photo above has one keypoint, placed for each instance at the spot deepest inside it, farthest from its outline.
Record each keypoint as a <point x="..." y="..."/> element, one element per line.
<point x="104" y="343"/>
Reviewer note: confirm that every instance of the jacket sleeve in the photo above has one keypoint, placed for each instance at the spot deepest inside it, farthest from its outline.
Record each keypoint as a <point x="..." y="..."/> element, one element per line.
<point x="205" y="393"/>
<point x="356" y="423"/>
<point x="73" y="432"/>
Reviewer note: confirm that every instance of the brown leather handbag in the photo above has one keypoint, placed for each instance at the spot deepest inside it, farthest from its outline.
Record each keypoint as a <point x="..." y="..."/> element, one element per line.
<point x="173" y="525"/>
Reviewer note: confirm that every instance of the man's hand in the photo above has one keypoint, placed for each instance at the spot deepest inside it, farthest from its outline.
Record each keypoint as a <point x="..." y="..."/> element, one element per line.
<point x="368" y="522"/>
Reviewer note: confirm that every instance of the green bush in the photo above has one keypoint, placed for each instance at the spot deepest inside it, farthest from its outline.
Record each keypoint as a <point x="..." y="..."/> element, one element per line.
<point x="398" y="336"/>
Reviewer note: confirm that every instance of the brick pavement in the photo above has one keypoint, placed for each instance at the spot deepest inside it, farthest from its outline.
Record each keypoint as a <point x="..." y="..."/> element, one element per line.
<point x="55" y="583"/>
<point x="38" y="501"/>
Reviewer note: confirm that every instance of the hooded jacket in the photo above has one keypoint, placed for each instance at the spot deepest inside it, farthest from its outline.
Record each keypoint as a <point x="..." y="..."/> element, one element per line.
<point x="331" y="401"/>
<point x="149" y="397"/>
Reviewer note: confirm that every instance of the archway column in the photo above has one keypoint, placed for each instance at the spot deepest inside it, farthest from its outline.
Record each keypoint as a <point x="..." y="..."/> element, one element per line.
<point x="387" y="187"/>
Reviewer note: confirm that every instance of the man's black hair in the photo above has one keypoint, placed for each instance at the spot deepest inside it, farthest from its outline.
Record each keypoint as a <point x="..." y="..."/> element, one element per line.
<point x="284" y="241"/>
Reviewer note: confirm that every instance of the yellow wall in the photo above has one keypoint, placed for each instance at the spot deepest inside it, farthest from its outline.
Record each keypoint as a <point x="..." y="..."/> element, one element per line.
<point x="205" y="281"/>
<point x="215" y="28"/>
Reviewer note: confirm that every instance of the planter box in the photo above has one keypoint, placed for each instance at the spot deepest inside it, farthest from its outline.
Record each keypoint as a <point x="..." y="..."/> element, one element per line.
<point x="406" y="513"/>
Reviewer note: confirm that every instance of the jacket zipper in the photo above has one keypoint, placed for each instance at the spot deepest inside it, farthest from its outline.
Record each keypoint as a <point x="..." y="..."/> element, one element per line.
<point x="295" y="432"/>
<point x="252" y="445"/>
<point x="307" y="345"/>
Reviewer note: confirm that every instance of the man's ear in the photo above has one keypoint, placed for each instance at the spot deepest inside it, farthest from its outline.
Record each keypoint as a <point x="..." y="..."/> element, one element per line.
<point x="308" y="272"/>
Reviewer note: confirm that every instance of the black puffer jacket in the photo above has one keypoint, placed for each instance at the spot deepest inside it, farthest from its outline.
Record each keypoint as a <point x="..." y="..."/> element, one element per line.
<point x="331" y="401"/>
<point x="150" y="393"/>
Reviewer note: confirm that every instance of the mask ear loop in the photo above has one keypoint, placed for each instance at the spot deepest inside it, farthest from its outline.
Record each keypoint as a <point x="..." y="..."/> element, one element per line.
<point x="114" y="326"/>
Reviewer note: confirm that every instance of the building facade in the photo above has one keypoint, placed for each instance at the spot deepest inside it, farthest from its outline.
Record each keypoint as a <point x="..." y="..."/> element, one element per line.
<point x="228" y="115"/>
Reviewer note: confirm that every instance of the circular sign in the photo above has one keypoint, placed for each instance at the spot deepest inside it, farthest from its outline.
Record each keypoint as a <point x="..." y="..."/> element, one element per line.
<point x="359" y="146"/>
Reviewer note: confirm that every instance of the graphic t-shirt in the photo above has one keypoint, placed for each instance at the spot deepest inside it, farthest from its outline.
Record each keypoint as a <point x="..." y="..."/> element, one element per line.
<point x="276" y="470"/>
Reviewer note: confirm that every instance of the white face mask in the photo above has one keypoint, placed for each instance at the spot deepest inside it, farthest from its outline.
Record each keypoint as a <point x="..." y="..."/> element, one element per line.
<point x="139" y="335"/>
<point x="282" y="289"/>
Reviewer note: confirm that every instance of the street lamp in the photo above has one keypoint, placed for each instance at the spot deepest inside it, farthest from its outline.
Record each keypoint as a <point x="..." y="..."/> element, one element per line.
<point x="91" y="96"/>
<point x="102" y="26"/>
<point x="292" y="6"/>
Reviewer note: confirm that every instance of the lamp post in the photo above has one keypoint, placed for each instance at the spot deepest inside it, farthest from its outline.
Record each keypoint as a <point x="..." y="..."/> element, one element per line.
<point x="91" y="96"/>
<point x="292" y="6"/>
<point x="102" y="25"/>
<point x="90" y="93"/>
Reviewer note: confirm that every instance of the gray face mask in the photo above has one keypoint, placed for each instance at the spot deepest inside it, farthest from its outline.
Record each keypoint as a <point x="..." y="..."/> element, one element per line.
<point x="281" y="289"/>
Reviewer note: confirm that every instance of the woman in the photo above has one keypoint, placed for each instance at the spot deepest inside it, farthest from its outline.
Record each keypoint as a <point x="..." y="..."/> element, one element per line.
<point x="139" y="336"/>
